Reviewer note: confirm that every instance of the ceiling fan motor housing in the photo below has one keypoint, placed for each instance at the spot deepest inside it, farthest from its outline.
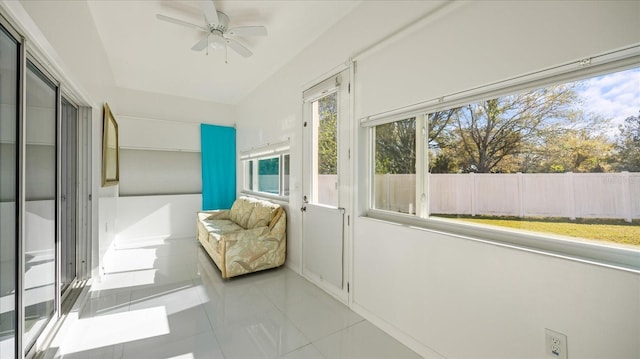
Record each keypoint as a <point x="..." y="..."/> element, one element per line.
<point x="222" y="25"/>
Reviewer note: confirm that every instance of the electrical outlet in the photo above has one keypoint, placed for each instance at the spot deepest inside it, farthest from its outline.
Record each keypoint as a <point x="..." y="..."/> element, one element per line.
<point x="555" y="344"/>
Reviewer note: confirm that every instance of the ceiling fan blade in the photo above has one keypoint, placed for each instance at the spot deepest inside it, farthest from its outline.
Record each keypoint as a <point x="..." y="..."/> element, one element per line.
<point x="180" y="22"/>
<point x="248" y="31"/>
<point x="239" y="48"/>
<point x="210" y="12"/>
<point x="201" y="45"/>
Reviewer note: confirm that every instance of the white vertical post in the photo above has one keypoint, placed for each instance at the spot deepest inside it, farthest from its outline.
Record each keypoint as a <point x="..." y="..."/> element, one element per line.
<point x="626" y="195"/>
<point x="521" y="194"/>
<point x="422" y="169"/>
<point x="387" y="184"/>
<point x="474" y="195"/>
<point x="571" y="196"/>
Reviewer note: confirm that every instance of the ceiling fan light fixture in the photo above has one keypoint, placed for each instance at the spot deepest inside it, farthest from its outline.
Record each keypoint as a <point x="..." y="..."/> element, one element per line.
<point x="216" y="27"/>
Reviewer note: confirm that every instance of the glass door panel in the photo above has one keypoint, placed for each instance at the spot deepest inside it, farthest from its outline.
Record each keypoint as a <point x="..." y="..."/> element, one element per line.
<point x="40" y="206"/>
<point x="325" y="154"/>
<point x="69" y="166"/>
<point x="9" y="54"/>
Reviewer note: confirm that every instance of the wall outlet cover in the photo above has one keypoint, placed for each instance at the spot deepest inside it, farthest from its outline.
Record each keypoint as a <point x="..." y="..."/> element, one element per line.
<point x="555" y="344"/>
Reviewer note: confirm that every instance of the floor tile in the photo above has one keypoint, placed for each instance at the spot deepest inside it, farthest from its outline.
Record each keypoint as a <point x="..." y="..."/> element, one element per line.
<point x="165" y="298"/>
<point x="363" y="341"/>
<point x="200" y="346"/>
<point x="264" y="335"/>
<point x="306" y="352"/>
<point x="316" y="319"/>
<point x="175" y="297"/>
<point x="108" y="304"/>
<point x="109" y="352"/>
<point x="285" y="289"/>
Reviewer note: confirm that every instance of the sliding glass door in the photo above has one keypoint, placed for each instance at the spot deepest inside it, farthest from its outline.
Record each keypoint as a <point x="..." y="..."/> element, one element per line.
<point x="68" y="188"/>
<point x="9" y="101"/>
<point x="45" y="198"/>
<point x="39" y="300"/>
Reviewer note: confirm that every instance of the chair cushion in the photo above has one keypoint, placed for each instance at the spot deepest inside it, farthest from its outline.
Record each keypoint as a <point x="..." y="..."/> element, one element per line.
<point x="262" y="214"/>
<point x="221" y="226"/>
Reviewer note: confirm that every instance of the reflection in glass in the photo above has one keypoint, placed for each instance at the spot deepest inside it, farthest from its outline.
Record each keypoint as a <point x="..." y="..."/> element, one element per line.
<point x="8" y="180"/>
<point x="40" y="206"/>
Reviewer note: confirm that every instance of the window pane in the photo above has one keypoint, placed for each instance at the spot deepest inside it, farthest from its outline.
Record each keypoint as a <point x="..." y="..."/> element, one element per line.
<point x="40" y="207"/>
<point x="285" y="175"/>
<point x="8" y="179"/>
<point x="395" y="166"/>
<point x="563" y="159"/>
<point x="268" y="175"/>
<point x="325" y="115"/>
<point x="249" y="175"/>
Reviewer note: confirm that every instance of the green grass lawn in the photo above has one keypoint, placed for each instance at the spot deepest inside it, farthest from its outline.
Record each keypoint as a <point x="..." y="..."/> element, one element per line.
<point x="603" y="230"/>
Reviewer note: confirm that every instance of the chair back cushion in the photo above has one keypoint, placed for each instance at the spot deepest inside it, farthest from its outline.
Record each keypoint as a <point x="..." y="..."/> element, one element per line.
<point x="241" y="210"/>
<point x="262" y="214"/>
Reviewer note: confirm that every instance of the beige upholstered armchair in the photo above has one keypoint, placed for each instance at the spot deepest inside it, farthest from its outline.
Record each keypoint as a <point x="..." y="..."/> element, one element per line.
<point x="249" y="237"/>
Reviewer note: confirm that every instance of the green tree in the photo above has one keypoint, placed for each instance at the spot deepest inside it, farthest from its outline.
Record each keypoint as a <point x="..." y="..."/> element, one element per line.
<point x="328" y="135"/>
<point x="628" y="145"/>
<point x="578" y="150"/>
<point x="503" y="134"/>
<point x="395" y="146"/>
<point x="441" y="141"/>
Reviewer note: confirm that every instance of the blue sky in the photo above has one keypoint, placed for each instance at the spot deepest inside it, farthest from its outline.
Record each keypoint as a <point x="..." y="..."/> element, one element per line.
<point x="614" y="96"/>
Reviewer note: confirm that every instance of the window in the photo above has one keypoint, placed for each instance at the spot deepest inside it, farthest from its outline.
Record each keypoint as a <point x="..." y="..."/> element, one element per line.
<point x="395" y="166"/>
<point x="266" y="170"/>
<point x="558" y="160"/>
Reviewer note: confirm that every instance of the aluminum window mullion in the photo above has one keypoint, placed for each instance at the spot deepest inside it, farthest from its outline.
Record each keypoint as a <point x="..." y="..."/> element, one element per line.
<point x="58" y="205"/>
<point x="21" y="200"/>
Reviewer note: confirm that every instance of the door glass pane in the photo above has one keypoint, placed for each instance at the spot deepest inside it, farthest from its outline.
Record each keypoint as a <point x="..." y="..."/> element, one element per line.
<point x="69" y="177"/>
<point x="325" y="158"/>
<point x="8" y="180"/>
<point x="40" y="206"/>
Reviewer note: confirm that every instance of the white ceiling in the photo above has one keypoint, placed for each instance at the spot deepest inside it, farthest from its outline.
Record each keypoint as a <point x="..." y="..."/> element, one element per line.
<point x="146" y="54"/>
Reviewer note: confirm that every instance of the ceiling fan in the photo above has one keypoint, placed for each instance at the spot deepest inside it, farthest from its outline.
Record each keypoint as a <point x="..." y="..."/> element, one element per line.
<point x="216" y="29"/>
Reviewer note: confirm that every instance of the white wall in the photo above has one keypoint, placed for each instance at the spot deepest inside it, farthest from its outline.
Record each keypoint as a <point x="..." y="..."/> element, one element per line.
<point x="154" y="121"/>
<point x="443" y="295"/>
<point x="273" y="112"/>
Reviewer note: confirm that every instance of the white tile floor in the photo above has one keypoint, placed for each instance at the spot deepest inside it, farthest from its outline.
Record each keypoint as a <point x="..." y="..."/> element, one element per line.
<point x="165" y="299"/>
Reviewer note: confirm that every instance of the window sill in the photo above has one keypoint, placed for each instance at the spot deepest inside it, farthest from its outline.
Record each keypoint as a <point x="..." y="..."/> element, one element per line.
<point x="586" y="251"/>
<point x="277" y="198"/>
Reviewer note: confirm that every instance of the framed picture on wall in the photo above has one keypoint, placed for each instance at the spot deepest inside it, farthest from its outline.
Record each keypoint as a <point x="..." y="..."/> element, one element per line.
<point x="110" y="158"/>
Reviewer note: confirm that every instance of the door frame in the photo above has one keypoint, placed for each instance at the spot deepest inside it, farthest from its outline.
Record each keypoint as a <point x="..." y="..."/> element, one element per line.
<point x="339" y="80"/>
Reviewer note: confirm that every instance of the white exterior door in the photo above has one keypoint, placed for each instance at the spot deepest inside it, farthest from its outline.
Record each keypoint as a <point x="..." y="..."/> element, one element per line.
<point x="326" y="179"/>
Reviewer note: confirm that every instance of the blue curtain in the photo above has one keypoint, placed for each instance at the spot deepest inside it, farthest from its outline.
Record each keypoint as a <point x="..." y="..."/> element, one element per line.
<point x="218" y="166"/>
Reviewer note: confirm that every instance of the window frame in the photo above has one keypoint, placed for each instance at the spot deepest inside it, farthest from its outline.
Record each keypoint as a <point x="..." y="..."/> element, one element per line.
<point x="587" y="251"/>
<point x="250" y="177"/>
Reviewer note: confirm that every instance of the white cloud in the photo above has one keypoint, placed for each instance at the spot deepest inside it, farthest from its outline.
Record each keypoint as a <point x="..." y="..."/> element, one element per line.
<point x="614" y="96"/>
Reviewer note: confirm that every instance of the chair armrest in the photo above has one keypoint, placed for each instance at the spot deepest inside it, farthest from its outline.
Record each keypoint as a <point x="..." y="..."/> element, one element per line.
<point x="215" y="214"/>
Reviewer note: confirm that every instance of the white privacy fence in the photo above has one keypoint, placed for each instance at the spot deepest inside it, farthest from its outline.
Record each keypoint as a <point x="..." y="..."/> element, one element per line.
<point x="572" y="195"/>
